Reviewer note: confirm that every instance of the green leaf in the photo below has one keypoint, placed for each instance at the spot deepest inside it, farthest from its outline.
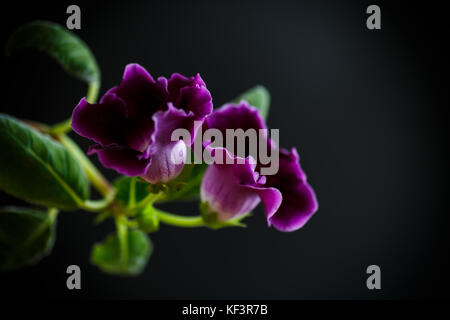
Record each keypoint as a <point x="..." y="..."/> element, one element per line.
<point x="124" y="190"/>
<point x="258" y="97"/>
<point x="37" y="169"/>
<point x="26" y="235"/>
<point x="60" y="44"/>
<point x="109" y="256"/>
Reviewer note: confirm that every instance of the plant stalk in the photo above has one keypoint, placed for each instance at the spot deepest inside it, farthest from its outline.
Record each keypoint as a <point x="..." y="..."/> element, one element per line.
<point x="96" y="178"/>
<point x="179" y="221"/>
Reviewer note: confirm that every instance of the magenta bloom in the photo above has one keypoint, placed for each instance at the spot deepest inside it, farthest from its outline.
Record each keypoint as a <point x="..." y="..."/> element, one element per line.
<point x="133" y="123"/>
<point x="232" y="190"/>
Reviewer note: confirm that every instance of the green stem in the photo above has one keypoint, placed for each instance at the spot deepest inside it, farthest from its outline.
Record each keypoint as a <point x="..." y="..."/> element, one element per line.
<point x="193" y="183"/>
<point x="97" y="179"/>
<point x="98" y="205"/>
<point x="179" y="221"/>
<point x="92" y="92"/>
<point x="149" y="199"/>
<point x="132" y="194"/>
<point x="61" y="127"/>
<point x="52" y="213"/>
<point x="66" y="125"/>
<point x="122" y="233"/>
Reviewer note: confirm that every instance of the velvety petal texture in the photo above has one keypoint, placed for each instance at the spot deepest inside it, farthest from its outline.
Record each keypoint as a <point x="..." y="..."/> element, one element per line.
<point x="299" y="200"/>
<point x="133" y="123"/>
<point x="235" y="116"/>
<point x="231" y="189"/>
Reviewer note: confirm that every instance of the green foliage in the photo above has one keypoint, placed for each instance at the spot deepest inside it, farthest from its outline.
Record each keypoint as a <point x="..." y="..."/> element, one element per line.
<point x="258" y="97"/>
<point x="148" y="220"/>
<point x="127" y="258"/>
<point x="124" y="189"/>
<point x="60" y="44"/>
<point x="26" y="235"/>
<point x="37" y="169"/>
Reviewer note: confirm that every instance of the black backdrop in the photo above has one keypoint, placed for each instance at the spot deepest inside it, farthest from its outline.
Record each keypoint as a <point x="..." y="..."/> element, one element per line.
<point x="367" y="110"/>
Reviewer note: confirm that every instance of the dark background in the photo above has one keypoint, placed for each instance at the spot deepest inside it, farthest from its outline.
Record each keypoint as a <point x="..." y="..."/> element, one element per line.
<point x="367" y="110"/>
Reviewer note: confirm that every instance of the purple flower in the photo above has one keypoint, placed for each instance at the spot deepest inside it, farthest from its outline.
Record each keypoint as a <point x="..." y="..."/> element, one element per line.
<point x="133" y="123"/>
<point x="232" y="190"/>
<point x="299" y="200"/>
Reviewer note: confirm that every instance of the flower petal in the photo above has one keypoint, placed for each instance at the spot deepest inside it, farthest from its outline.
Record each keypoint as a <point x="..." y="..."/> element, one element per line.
<point x="105" y="123"/>
<point x="228" y="196"/>
<point x="299" y="200"/>
<point x="167" y="163"/>
<point x="240" y="116"/>
<point x="139" y="133"/>
<point x="123" y="160"/>
<point x="142" y="95"/>
<point x="235" y="116"/>
<point x="168" y="156"/>
<point x="190" y="94"/>
<point x="233" y="188"/>
<point x="298" y="206"/>
<point x="270" y="197"/>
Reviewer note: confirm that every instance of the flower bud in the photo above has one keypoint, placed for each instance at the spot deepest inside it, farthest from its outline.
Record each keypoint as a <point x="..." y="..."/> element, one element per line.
<point x="167" y="163"/>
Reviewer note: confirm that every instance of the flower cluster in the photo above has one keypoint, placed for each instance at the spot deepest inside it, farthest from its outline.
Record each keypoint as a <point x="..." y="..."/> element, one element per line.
<point x="133" y="123"/>
<point x="132" y="126"/>
<point x="233" y="189"/>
